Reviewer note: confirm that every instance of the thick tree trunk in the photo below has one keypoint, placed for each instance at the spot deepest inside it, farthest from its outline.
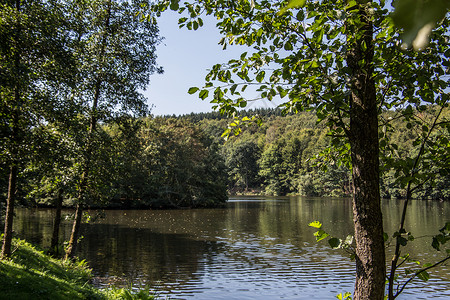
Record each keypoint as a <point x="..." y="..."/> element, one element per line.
<point x="363" y="135"/>
<point x="57" y="221"/>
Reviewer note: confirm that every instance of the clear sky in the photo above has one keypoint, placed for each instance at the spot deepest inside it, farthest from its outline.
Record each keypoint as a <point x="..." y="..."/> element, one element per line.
<point x="186" y="55"/>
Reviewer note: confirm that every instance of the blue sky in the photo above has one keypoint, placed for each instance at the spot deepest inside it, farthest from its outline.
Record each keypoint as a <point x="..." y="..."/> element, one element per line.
<point x="186" y="56"/>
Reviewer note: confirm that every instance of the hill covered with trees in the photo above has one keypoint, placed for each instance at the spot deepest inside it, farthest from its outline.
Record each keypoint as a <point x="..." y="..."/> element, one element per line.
<point x="176" y="162"/>
<point x="289" y="155"/>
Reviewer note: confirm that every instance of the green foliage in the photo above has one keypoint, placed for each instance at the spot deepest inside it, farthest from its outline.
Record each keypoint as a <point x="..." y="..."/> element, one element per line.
<point x="242" y="162"/>
<point x="342" y="60"/>
<point x="334" y="242"/>
<point x="412" y="267"/>
<point x="313" y="74"/>
<point x="282" y="156"/>
<point x="442" y="238"/>
<point x="128" y="294"/>
<point x="345" y="296"/>
<point x="292" y="156"/>
<point x="417" y="18"/>
<point x="166" y="163"/>
<point x="31" y="274"/>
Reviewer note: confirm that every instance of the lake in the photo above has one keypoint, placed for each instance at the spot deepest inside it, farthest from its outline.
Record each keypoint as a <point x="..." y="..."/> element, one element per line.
<point x="254" y="248"/>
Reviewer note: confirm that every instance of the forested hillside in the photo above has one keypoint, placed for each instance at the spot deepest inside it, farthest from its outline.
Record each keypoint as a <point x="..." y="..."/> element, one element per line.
<point x="184" y="162"/>
<point x="288" y="155"/>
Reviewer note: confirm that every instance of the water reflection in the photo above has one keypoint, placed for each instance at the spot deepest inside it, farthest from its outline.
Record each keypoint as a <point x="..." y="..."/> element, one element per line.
<point x="255" y="248"/>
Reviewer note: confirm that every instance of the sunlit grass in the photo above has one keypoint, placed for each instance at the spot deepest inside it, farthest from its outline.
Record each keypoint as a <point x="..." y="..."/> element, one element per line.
<point x="31" y="274"/>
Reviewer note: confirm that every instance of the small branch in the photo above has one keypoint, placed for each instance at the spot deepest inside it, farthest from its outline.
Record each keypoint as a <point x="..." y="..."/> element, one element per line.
<point x="406" y="259"/>
<point x="405" y="206"/>
<point x="418" y="272"/>
<point x="383" y="98"/>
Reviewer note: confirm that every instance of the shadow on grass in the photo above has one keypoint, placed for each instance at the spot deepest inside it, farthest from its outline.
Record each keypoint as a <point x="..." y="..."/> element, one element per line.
<point x="30" y="274"/>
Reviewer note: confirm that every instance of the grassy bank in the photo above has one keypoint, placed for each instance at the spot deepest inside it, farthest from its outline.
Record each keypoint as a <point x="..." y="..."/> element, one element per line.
<point x="31" y="274"/>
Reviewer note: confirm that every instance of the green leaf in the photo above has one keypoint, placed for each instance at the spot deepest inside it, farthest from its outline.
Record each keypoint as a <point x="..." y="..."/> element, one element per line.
<point x="320" y="235"/>
<point x="402" y="240"/>
<point x="345" y="296"/>
<point x="233" y="88"/>
<point x="349" y="240"/>
<point x="288" y="46"/>
<point x="292" y="4"/>
<point x="423" y="275"/>
<point x="315" y="224"/>
<point x="174" y="5"/>
<point x="417" y="18"/>
<point x="260" y="76"/>
<point x="203" y="94"/>
<point x="192" y="90"/>
<point x="445" y="228"/>
<point x="334" y="242"/>
<point x="435" y="244"/>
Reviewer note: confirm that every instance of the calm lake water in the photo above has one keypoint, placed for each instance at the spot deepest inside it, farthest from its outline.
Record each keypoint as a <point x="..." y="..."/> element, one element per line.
<point x="255" y="248"/>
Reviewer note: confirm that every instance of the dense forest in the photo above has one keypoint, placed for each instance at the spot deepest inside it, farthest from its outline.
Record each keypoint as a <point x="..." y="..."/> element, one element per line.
<point x="183" y="161"/>
<point x="290" y="155"/>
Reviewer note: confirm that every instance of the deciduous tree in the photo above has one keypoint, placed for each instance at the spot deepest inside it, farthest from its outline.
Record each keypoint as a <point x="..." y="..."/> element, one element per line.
<point x="115" y="49"/>
<point x="33" y="58"/>
<point x="342" y="59"/>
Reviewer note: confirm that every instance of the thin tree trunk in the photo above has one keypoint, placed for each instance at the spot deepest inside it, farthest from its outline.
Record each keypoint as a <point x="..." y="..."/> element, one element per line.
<point x="15" y="139"/>
<point x="93" y="123"/>
<point x="57" y="221"/>
<point x="73" y="242"/>
<point x="363" y="135"/>
<point x="396" y="257"/>
<point x="7" y="237"/>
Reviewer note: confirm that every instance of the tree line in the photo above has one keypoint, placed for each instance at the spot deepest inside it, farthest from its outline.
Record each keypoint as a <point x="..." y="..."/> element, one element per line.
<point x="167" y="162"/>
<point x="287" y="155"/>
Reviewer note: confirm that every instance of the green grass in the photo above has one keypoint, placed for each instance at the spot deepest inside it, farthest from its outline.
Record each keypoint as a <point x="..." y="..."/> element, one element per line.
<point x="31" y="274"/>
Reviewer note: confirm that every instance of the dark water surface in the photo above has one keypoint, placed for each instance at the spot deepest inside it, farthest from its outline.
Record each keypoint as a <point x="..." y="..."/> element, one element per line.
<point x="255" y="248"/>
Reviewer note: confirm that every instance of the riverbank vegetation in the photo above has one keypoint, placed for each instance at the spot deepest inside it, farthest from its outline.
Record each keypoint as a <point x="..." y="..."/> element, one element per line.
<point x="31" y="274"/>
<point x="75" y="126"/>
<point x="183" y="162"/>
<point x="176" y="162"/>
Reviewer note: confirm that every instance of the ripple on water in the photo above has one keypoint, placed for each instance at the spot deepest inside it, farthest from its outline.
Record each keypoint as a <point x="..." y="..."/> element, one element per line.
<point x="262" y="250"/>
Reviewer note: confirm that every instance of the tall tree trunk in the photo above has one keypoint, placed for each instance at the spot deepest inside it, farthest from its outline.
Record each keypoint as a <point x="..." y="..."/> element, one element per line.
<point x="7" y="237"/>
<point x="15" y="141"/>
<point x="57" y="221"/>
<point x="363" y="135"/>
<point x="92" y="126"/>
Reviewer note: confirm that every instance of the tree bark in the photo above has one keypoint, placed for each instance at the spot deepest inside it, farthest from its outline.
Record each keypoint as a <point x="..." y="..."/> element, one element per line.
<point x="73" y="242"/>
<point x="7" y="237"/>
<point x="57" y="221"/>
<point x="363" y="136"/>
